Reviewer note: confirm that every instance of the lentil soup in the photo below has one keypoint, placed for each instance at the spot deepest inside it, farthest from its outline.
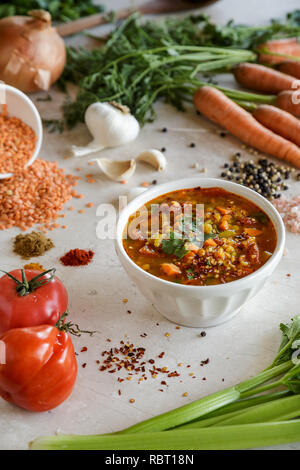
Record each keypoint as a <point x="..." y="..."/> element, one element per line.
<point x="228" y="240"/>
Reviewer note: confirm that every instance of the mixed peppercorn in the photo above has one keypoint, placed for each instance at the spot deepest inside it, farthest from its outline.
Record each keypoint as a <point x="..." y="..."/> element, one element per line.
<point x="263" y="176"/>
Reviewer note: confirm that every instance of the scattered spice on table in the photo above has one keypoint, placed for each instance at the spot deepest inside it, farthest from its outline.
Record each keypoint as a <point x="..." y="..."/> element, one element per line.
<point x="204" y="363"/>
<point x="132" y="360"/>
<point x="32" y="244"/>
<point x="263" y="176"/>
<point x="34" y="266"/>
<point x="34" y="195"/>
<point x="77" y="257"/>
<point x="17" y="144"/>
<point x="289" y="210"/>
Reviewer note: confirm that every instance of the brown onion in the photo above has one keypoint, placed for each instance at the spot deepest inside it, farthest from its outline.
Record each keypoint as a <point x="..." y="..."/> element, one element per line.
<point x="32" y="54"/>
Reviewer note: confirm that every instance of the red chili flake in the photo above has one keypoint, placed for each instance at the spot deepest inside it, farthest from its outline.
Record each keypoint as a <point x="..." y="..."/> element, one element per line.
<point x="119" y="392"/>
<point x="204" y="363"/>
<point x="129" y="312"/>
<point x="84" y="349"/>
<point x="160" y="390"/>
<point x="84" y="365"/>
<point x="223" y="380"/>
<point x="188" y="366"/>
<point x="163" y="382"/>
<point x="161" y="355"/>
<point x="173" y="374"/>
<point x="204" y="378"/>
<point x="151" y="361"/>
<point x="108" y="340"/>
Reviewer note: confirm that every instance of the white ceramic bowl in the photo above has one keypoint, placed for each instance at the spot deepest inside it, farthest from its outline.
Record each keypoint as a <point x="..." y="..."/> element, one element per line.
<point x="199" y="306"/>
<point x="20" y="106"/>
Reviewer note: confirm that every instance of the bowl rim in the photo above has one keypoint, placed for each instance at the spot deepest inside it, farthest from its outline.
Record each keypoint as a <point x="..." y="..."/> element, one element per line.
<point x="189" y="183"/>
<point x="39" y="133"/>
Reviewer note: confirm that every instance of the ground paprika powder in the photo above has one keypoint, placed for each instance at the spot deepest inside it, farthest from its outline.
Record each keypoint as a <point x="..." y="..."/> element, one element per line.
<point x="77" y="257"/>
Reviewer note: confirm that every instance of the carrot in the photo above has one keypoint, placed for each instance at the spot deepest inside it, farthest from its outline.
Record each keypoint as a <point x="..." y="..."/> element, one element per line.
<point x="170" y="269"/>
<point x="213" y="104"/>
<point x="222" y="210"/>
<point x="279" y="121"/>
<point x="287" y="46"/>
<point x="291" y="67"/>
<point x="209" y="242"/>
<point x="223" y="225"/>
<point x="252" y="232"/>
<point x="289" y="100"/>
<point x="260" y="78"/>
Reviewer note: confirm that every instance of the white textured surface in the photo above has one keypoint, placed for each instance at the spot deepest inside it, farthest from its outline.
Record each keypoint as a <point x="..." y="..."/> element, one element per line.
<point x="237" y="349"/>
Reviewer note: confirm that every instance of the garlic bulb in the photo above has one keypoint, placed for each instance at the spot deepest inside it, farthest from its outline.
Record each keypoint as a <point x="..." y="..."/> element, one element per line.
<point x="116" y="170"/>
<point x="154" y="158"/>
<point x="110" y="124"/>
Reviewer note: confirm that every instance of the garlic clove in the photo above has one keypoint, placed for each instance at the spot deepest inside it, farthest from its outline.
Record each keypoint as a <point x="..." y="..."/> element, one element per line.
<point x="134" y="192"/>
<point x="154" y="158"/>
<point x="116" y="170"/>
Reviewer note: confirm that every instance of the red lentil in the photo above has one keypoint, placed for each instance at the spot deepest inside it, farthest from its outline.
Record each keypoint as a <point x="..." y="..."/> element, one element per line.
<point x="34" y="195"/>
<point x="17" y="144"/>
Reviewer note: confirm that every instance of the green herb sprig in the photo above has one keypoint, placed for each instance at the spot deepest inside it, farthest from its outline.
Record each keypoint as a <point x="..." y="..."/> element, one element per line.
<point x="141" y="63"/>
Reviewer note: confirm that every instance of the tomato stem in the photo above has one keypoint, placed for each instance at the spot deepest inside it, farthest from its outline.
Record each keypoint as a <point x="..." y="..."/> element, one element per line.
<point x="26" y="287"/>
<point x="70" y="327"/>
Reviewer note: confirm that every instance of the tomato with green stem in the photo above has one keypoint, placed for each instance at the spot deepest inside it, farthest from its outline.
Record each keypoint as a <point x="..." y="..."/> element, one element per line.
<point x="39" y="369"/>
<point x="29" y="298"/>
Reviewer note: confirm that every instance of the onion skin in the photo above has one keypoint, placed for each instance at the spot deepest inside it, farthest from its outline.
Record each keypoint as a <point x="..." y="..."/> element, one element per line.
<point x="33" y="55"/>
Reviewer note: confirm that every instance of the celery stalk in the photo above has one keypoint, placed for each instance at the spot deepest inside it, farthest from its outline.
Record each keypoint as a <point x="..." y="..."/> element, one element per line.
<point x="233" y="409"/>
<point x="185" y="413"/>
<point x="278" y="410"/>
<point x="243" y="436"/>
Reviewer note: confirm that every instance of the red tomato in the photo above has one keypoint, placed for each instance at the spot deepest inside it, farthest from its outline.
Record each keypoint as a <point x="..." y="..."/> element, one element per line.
<point x="40" y="369"/>
<point x="43" y="306"/>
